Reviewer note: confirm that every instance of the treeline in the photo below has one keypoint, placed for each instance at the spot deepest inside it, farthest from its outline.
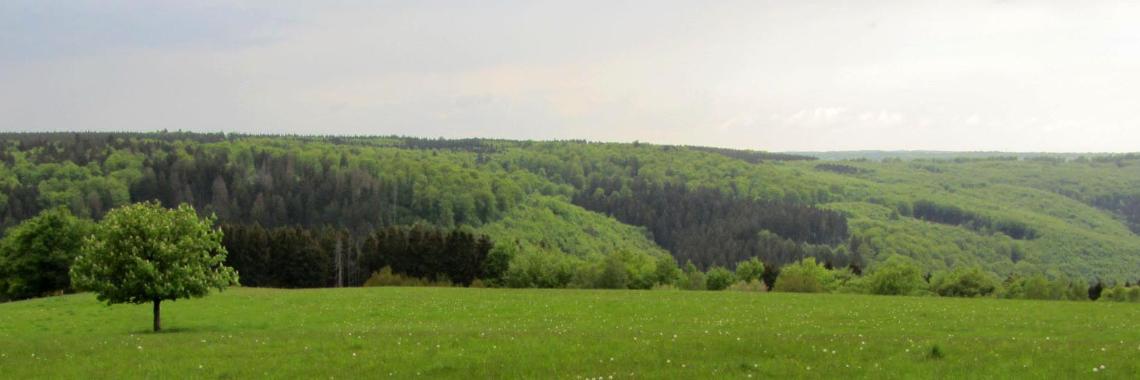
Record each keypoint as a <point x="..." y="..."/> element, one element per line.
<point x="956" y="216"/>
<point x="710" y="228"/>
<point x="752" y="156"/>
<point x="273" y="182"/>
<point x="294" y="257"/>
<point x="900" y="275"/>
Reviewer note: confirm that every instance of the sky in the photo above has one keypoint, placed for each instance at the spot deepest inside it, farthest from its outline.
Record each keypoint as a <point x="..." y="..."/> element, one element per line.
<point x="1056" y="76"/>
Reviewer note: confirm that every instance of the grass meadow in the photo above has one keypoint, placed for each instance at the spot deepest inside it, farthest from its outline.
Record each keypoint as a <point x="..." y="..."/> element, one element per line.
<point x="570" y="334"/>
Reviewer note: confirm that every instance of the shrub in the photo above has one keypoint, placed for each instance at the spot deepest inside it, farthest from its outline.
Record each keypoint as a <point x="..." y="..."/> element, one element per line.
<point x="692" y="278"/>
<point x="719" y="278"/>
<point x="806" y="276"/>
<point x="1120" y="293"/>
<point x="749" y="270"/>
<point x="613" y="275"/>
<point x="666" y="271"/>
<point x="965" y="282"/>
<point x="534" y="269"/>
<point x="897" y="276"/>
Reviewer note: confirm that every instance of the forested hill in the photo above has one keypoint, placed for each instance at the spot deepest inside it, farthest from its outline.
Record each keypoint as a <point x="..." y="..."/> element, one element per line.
<point x="554" y="212"/>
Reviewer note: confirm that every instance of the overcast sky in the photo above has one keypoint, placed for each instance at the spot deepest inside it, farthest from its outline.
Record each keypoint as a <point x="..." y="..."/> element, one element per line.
<point x="772" y="75"/>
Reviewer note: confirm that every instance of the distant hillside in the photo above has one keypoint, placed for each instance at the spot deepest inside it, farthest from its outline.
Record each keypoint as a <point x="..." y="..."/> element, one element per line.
<point x="562" y="208"/>
<point x="879" y="155"/>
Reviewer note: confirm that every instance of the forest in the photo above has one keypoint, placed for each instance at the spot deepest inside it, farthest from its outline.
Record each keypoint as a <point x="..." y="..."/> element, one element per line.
<point x="326" y="211"/>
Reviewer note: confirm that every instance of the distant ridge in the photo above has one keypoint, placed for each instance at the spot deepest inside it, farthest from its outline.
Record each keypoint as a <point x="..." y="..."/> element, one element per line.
<point x="879" y="155"/>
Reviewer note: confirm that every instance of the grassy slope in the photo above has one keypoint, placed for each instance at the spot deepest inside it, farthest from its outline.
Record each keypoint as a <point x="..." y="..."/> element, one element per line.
<point x="484" y="333"/>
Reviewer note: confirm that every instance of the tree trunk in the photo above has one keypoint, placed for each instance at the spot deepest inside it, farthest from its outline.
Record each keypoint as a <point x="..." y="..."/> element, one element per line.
<point x="157" y="319"/>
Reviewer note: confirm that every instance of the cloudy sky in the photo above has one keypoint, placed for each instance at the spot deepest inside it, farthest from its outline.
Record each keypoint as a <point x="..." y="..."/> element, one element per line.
<point x="772" y="75"/>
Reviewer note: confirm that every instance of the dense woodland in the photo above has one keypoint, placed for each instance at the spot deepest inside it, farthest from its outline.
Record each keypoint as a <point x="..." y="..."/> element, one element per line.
<point x="306" y="211"/>
<point x="708" y="227"/>
<point x="295" y="257"/>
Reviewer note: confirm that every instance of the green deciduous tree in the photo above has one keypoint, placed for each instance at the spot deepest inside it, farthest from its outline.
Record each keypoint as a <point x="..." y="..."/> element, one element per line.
<point x="144" y="253"/>
<point x="666" y="271"/>
<point x="35" y="255"/>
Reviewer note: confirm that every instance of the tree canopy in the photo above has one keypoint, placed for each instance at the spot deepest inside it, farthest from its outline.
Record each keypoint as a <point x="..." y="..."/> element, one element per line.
<point x="144" y="253"/>
<point x="36" y="254"/>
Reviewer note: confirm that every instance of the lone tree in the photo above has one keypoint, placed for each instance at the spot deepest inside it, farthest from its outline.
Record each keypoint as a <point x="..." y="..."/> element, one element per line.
<point x="144" y="253"/>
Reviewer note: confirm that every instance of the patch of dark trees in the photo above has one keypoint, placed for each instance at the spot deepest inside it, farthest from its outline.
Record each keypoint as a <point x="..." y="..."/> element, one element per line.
<point x="839" y="168"/>
<point x="956" y="216"/>
<point x="709" y="227"/>
<point x="1125" y="205"/>
<point x="752" y="156"/>
<point x="283" y="193"/>
<point x="295" y="257"/>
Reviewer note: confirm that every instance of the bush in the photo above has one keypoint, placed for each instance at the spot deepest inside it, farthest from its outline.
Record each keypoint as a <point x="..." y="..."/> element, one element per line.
<point x="1036" y="287"/>
<point x="719" y="278"/>
<point x="1120" y="293"/>
<point x="613" y="275"/>
<point x="965" y="282"/>
<point x="897" y="276"/>
<point x="541" y="270"/>
<point x="749" y="270"/>
<point x="666" y="271"/>
<point x="692" y="278"/>
<point x="806" y="276"/>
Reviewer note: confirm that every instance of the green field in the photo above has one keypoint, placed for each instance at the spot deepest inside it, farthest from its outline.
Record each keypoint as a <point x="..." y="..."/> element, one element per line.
<point x="490" y="333"/>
